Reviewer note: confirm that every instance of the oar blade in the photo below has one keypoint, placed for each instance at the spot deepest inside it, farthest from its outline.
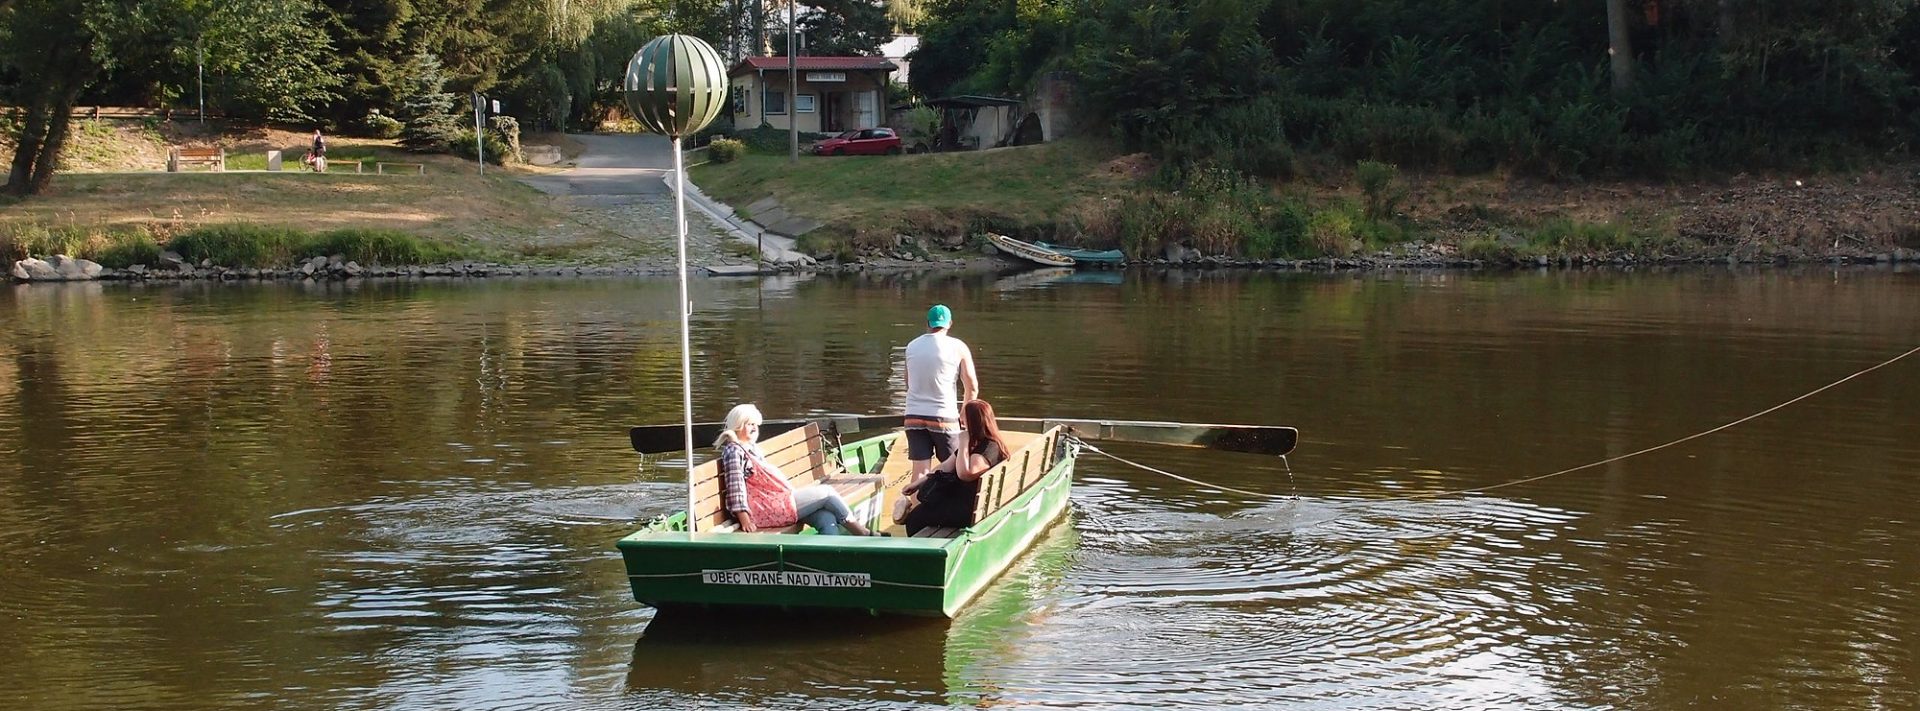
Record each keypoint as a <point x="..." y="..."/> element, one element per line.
<point x="1254" y="439"/>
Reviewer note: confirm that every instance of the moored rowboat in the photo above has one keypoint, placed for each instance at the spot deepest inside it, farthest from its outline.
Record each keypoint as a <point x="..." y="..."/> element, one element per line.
<point x="1016" y="248"/>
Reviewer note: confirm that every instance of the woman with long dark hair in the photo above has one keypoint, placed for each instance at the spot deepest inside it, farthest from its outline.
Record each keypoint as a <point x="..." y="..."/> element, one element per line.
<point x="947" y="495"/>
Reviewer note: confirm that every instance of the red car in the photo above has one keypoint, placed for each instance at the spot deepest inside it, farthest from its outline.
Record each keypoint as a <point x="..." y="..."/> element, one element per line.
<point x="861" y="142"/>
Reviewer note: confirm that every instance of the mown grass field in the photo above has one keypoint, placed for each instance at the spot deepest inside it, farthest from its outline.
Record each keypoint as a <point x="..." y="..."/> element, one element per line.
<point x="1022" y="184"/>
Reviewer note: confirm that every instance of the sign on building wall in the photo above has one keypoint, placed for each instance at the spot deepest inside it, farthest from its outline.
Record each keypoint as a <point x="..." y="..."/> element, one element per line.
<point x="826" y="76"/>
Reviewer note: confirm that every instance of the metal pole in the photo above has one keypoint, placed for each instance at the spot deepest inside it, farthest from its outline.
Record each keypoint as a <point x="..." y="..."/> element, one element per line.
<point x="200" y="70"/>
<point x="479" y="134"/>
<point x="686" y="311"/>
<point x="793" y="90"/>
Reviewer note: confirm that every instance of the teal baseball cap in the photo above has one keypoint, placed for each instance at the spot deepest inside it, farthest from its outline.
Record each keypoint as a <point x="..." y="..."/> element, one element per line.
<point x="939" y="316"/>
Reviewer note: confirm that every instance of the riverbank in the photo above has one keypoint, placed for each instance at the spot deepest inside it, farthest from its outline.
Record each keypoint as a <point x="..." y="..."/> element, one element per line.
<point x="1083" y="193"/>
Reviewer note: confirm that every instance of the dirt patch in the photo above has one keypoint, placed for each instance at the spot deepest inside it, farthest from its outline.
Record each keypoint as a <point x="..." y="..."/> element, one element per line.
<point x="1132" y="166"/>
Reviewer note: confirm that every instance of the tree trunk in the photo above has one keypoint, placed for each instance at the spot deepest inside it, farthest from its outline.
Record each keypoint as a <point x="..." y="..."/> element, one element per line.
<point x="48" y="115"/>
<point x="1619" y="46"/>
<point x="1726" y="22"/>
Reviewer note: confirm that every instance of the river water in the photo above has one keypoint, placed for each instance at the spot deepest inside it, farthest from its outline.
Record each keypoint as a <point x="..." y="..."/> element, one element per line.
<point x="405" y="495"/>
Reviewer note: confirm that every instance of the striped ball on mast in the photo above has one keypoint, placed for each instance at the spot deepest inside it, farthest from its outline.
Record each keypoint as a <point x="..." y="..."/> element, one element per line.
<point x="676" y="85"/>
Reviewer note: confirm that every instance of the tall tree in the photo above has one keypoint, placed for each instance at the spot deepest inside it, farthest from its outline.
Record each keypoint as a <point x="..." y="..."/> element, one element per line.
<point x="53" y="51"/>
<point x="1619" y="45"/>
<point x="842" y="28"/>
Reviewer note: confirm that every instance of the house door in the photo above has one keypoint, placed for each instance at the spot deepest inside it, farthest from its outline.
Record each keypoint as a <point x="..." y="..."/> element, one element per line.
<point x="830" y="112"/>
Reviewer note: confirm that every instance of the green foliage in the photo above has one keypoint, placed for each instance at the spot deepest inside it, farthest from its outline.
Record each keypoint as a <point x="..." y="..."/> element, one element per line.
<point x="1376" y="181"/>
<point x="372" y="246"/>
<point x="117" y="246"/>
<point x="239" y="245"/>
<point x="1465" y="86"/>
<point x="841" y="28"/>
<point x="725" y="150"/>
<point x="426" y="107"/>
<point x="507" y="129"/>
<point x="381" y="126"/>
<point x="262" y="246"/>
<point x="464" y="145"/>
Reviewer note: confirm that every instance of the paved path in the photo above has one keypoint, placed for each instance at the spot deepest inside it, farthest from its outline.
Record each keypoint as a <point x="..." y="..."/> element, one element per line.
<point x="619" y="185"/>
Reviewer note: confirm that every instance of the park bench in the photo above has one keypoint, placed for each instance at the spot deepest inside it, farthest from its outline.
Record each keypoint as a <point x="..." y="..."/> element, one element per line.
<point x="178" y="155"/>
<point x="380" y="168"/>
<point x="356" y="164"/>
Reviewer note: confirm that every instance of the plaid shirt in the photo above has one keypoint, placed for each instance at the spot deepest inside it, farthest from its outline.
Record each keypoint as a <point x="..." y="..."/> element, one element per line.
<point x="733" y="475"/>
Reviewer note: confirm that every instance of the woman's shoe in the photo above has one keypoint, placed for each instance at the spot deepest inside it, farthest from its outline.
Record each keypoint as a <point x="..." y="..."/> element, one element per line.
<point x="900" y="508"/>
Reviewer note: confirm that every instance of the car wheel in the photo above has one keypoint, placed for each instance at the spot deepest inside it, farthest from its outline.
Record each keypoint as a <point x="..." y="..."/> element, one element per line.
<point x="839" y="151"/>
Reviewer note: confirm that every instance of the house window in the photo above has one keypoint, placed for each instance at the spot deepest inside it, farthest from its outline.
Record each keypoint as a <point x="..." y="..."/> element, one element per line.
<point x="803" y="103"/>
<point x="775" y="102"/>
<point x="739" y="100"/>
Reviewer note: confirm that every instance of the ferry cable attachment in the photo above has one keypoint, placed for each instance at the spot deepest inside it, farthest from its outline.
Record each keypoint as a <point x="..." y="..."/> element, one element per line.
<point x="1434" y="495"/>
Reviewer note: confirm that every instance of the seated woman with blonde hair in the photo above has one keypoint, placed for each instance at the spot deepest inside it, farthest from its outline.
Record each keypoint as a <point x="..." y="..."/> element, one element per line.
<point x="757" y="493"/>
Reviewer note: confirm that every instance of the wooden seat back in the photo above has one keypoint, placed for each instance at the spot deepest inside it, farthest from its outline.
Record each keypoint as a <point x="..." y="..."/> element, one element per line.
<point x="799" y="453"/>
<point x="183" y="154"/>
<point x="1032" y="458"/>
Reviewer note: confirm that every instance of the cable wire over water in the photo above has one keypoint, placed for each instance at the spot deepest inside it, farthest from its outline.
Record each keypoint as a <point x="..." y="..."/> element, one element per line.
<point x="1516" y="482"/>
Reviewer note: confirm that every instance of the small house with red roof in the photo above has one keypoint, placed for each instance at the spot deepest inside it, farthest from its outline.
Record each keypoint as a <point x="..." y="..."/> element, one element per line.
<point x="835" y="93"/>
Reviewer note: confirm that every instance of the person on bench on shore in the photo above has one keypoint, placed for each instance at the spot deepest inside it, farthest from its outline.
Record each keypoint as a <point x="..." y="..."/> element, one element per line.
<point x="758" y="496"/>
<point x="947" y="496"/>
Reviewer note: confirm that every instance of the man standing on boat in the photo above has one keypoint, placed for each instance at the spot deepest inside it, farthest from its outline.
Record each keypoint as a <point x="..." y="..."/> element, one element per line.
<point x="939" y="377"/>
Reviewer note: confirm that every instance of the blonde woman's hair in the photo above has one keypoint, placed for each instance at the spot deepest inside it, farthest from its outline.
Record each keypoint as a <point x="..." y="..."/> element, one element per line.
<point x="737" y="418"/>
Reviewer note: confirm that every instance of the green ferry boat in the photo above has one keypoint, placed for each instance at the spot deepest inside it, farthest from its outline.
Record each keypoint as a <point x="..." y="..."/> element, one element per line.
<point x="703" y="561"/>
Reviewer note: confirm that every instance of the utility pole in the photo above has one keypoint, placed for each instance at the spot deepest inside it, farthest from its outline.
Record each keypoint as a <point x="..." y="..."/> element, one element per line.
<point x="793" y="90"/>
<point x="200" y="69"/>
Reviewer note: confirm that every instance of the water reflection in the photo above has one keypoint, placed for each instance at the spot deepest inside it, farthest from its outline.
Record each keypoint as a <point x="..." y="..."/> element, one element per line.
<point x="404" y="494"/>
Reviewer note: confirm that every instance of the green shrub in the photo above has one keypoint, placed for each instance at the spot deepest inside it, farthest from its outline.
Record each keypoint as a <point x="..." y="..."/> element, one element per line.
<point x="239" y="245"/>
<point x="1376" y="184"/>
<point x="117" y="246"/>
<point x="376" y="246"/>
<point x="379" y="125"/>
<point x="497" y="150"/>
<point x="507" y="129"/>
<point x="725" y="150"/>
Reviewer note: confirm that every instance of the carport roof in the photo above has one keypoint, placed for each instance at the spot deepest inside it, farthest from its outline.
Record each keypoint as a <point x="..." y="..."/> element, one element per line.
<point x="972" y="101"/>
<point x="814" y="64"/>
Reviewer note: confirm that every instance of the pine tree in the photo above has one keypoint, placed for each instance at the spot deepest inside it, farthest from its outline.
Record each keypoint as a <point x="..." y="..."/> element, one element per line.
<point x="426" y="107"/>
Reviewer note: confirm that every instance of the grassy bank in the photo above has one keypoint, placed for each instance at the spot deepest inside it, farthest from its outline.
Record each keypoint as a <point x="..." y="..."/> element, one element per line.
<point x="114" y="196"/>
<point x="866" y="199"/>
<point x="1083" y="193"/>
<point x="231" y="245"/>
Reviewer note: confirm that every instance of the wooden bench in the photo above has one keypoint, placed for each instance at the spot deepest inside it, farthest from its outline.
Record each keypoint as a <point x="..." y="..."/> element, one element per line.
<point x="177" y="155"/>
<point x="356" y="164"/>
<point x="1031" y="460"/>
<point x="801" y="454"/>
<point x="380" y="168"/>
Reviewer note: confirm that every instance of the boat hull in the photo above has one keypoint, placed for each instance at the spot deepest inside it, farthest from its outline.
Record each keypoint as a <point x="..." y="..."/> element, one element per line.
<point x="667" y="567"/>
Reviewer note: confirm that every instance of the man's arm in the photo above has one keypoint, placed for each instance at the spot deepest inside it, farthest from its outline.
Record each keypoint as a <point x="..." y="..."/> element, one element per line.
<point x="969" y="382"/>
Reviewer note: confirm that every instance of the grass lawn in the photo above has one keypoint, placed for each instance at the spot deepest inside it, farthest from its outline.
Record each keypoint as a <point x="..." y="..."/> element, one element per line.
<point x="875" y="193"/>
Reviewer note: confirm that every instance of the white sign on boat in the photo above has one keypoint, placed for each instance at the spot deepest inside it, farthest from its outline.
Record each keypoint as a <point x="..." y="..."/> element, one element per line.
<point x="788" y="578"/>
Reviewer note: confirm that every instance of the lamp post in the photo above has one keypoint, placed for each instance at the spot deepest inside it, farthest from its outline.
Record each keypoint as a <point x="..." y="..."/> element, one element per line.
<point x="676" y="85"/>
<point x="793" y="90"/>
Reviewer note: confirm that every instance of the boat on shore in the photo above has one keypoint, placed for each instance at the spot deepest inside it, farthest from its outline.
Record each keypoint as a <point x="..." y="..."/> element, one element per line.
<point x="703" y="562"/>
<point x="1099" y="257"/>
<point x="1028" y="251"/>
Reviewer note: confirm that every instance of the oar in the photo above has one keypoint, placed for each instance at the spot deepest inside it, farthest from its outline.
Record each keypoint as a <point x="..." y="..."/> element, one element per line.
<point x="658" y="439"/>
<point x="1256" y="439"/>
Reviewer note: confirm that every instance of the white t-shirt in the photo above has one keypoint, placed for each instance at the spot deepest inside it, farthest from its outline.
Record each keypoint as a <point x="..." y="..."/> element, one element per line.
<point x="933" y="372"/>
